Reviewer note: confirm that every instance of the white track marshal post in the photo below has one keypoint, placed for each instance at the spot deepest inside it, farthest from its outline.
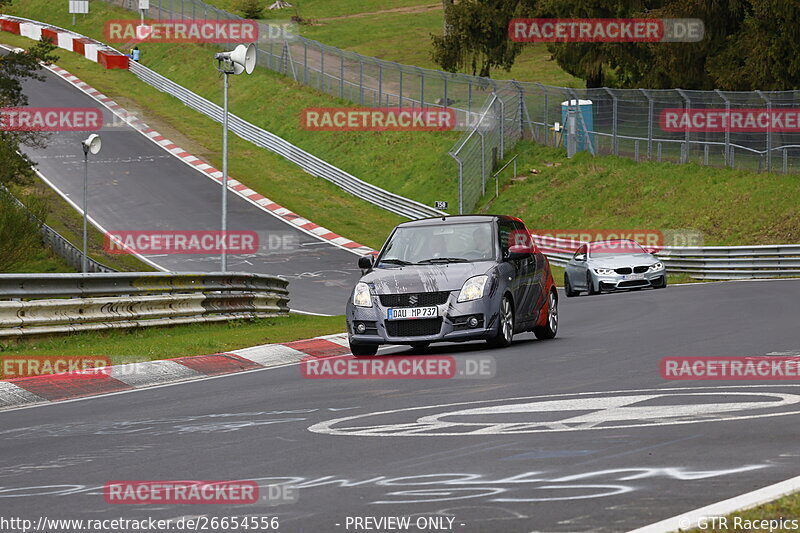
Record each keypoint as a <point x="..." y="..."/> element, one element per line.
<point x="91" y="144"/>
<point x="242" y="59"/>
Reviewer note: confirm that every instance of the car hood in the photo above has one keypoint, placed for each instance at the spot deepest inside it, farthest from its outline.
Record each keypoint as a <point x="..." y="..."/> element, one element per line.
<point x="622" y="260"/>
<point x="424" y="278"/>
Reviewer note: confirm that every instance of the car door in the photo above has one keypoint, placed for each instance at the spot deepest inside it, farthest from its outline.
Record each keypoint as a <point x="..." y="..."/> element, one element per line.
<point x="576" y="268"/>
<point x="523" y="270"/>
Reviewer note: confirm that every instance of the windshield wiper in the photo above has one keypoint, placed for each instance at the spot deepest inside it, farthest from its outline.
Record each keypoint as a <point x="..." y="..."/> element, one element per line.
<point x="444" y="260"/>
<point x="396" y="262"/>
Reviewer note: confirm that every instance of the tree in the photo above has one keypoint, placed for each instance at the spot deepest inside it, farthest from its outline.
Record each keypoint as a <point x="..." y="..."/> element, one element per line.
<point x="14" y="68"/>
<point x="477" y="36"/>
<point x="251" y="9"/>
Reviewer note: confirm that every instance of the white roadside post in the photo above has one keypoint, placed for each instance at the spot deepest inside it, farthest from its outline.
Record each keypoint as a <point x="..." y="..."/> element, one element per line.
<point x="144" y="5"/>
<point x="78" y="6"/>
<point x="241" y="59"/>
<point x="91" y="144"/>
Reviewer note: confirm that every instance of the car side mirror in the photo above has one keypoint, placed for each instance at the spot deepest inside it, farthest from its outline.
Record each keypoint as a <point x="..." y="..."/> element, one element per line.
<point x="580" y="257"/>
<point x="519" y="251"/>
<point x="365" y="262"/>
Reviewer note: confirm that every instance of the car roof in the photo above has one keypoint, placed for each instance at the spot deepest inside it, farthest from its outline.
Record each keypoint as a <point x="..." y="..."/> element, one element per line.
<point x="613" y="240"/>
<point x="456" y="219"/>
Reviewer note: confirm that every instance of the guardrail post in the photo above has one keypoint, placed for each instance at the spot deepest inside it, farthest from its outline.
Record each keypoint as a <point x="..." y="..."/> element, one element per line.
<point x="769" y="129"/>
<point x="649" y="124"/>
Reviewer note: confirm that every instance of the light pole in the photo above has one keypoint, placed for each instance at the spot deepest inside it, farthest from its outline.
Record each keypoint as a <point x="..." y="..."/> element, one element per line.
<point x="92" y="144"/>
<point x="241" y="59"/>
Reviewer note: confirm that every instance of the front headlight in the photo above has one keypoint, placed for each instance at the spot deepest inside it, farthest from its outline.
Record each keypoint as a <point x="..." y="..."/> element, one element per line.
<point x="605" y="271"/>
<point x="472" y="289"/>
<point x="658" y="266"/>
<point x="361" y="296"/>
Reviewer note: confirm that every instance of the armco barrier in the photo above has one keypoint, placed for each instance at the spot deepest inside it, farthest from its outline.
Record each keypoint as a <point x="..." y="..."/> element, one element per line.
<point x="706" y="262"/>
<point x="62" y="303"/>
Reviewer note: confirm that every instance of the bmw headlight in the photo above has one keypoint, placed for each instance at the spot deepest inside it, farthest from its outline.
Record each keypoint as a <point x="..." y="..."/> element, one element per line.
<point x="361" y="296"/>
<point x="605" y="271"/>
<point x="472" y="289"/>
<point x="655" y="268"/>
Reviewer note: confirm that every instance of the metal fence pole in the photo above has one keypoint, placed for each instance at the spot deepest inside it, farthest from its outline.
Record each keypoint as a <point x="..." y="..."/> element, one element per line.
<point x="321" y="69"/>
<point x="460" y="183"/>
<point x="687" y="108"/>
<point x="502" y="128"/>
<point x="483" y="163"/>
<point x="360" y="81"/>
<point x="649" y="123"/>
<point x="305" y="62"/>
<point x="546" y="125"/>
<point x="614" y="143"/>
<point x="728" y="129"/>
<point x="400" y="100"/>
<point x="421" y="87"/>
<point x="769" y="129"/>
<point x="341" y="76"/>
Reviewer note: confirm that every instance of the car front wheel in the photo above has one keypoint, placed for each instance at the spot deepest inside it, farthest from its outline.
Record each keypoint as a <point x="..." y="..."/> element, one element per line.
<point x="590" y="285"/>
<point x="570" y="292"/>
<point x="505" y="328"/>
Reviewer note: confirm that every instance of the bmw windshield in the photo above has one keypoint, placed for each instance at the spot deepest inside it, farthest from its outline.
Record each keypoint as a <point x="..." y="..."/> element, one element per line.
<point x="445" y="243"/>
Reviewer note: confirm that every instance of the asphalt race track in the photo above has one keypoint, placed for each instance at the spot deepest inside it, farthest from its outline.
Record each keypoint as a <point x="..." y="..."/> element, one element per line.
<point x="615" y="447"/>
<point x="137" y="185"/>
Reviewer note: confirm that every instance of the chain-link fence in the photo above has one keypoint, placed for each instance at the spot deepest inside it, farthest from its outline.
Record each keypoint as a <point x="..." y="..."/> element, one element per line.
<point x="624" y="122"/>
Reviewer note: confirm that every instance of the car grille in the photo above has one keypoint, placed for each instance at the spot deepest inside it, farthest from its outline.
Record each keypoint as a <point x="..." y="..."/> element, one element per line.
<point x="634" y="283"/>
<point x="414" y="299"/>
<point x="640" y="269"/>
<point x="414" y="328"/>
<point x="623" y="270"/>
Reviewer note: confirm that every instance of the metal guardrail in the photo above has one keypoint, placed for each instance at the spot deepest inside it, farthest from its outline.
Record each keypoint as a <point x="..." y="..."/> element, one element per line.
<point x="62" y="303"/>
<point x="706" y="262"/>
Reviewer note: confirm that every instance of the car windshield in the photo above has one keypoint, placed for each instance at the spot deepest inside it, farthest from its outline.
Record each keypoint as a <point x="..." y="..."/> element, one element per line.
<point x="615" y="247"/>
<point x="443" y="243"/>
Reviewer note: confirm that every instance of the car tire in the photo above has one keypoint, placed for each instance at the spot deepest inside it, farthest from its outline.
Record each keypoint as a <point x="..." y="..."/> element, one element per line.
<point x="363" y="350"/>
<point x="568" y="290"/>
<point x="663" y="283"/>
<point x="590" y="285"/>
<point x="505" y="326"/>
<point x="549" y="331"/>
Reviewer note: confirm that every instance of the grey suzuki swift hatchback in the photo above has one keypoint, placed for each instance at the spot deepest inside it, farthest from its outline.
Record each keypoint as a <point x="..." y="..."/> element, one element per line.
<point x="453" y="278"/>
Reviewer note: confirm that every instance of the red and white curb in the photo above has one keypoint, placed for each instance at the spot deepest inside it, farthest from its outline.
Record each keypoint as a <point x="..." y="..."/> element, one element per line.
<point x="238" y="188"/>
<point x="29" y="391"/>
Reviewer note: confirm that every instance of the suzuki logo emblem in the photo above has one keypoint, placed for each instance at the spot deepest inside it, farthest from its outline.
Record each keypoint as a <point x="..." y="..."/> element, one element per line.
<point x="412" y="300"/>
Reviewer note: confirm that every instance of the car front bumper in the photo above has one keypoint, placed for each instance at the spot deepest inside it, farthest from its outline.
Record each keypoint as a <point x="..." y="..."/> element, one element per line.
<point x="613" y="282"/>
<point x="451" y="325"/>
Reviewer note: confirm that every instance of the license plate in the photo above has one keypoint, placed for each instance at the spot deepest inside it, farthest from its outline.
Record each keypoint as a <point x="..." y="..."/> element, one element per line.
<point x="409" y="313"/>
<point x="633" y="276"/>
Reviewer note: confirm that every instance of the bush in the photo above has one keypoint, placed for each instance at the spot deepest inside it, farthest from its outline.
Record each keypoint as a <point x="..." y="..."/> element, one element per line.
<point x="19" y="232"/>
<point x="251" y="9"/>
